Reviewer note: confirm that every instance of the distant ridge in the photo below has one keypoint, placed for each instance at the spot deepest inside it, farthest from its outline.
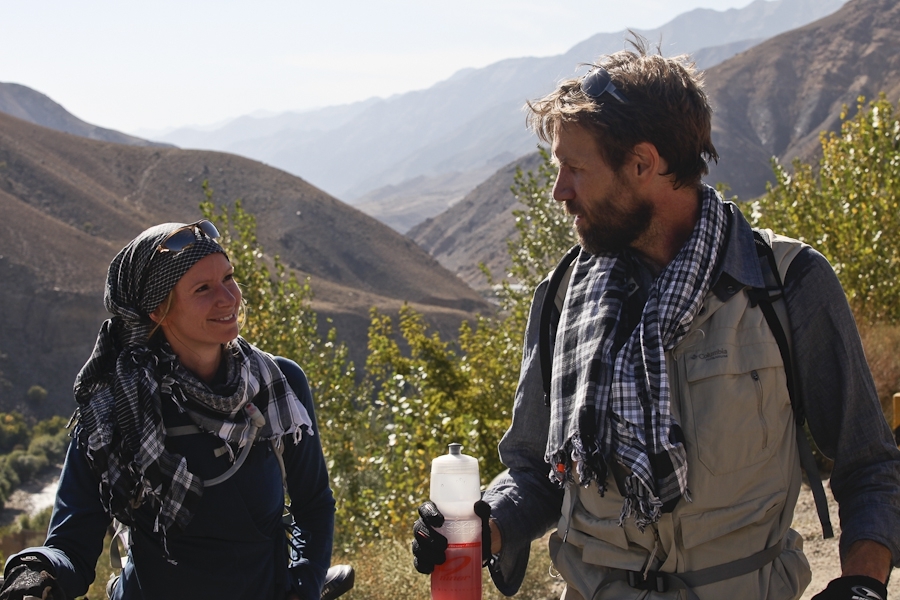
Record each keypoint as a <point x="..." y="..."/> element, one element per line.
<point x="29" y="105"/>
<point x="69" y="203"/>
<point x="469" y="121"/>
<point x="772" y="100"/>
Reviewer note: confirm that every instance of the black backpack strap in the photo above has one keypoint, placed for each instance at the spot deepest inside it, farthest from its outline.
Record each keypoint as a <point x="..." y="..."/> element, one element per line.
<point x="562" y="272"/>
<point x="768" y="299"/>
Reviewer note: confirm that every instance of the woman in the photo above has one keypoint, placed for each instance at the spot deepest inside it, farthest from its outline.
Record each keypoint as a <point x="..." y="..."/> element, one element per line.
<point x="185" y="433"/>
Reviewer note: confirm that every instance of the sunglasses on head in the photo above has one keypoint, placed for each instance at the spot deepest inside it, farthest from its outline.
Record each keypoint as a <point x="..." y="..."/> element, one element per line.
<point x="180" y="239"/>
<point x="598" y="82"/>
<point x="184" y="237"/>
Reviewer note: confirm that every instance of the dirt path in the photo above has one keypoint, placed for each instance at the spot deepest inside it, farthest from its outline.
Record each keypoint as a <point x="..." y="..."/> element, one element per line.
<point x="32" y="497"/>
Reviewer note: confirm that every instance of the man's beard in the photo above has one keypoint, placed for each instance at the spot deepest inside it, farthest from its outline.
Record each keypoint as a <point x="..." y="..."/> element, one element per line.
<point x="616" y="230"/>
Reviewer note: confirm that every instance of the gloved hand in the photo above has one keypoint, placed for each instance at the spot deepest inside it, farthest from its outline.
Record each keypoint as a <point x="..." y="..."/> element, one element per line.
<point x="854" y="587"/>
<point x="31" y="577"/>
<point x="429" y="547"/>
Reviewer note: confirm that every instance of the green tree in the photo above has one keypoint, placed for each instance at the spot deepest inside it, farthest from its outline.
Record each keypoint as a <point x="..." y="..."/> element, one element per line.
<point x="848" y="209"/>
<point x="36" y="394"/>
<point x="438" y="392"/>
<point x="544" y="231"/>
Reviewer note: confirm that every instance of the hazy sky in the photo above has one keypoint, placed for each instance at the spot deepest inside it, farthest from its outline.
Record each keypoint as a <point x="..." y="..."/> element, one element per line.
<point x="137" y="66"/>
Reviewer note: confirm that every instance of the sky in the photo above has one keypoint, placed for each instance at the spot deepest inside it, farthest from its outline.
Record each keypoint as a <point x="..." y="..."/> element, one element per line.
<point x="147" y="67"/>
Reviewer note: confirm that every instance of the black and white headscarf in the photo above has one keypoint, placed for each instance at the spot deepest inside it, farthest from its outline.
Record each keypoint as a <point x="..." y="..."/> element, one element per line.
<point x="616" y="406"/>
<point x="121" y="388"/>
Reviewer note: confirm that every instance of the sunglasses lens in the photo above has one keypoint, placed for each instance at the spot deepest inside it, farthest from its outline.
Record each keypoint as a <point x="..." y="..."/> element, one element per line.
<point x="209" y="229"/>
<point x="595" y="83"/>
<point x="598" y="82"/>
<point x="179" y="240"/>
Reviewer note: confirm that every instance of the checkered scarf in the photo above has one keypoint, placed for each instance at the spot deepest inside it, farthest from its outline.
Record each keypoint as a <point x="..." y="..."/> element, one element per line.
<point x="121" y="388"/>
<point x="616" y="406"/>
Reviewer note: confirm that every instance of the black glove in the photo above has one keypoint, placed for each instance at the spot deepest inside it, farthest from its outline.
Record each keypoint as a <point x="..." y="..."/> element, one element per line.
<point x="31" y="577"/>
<point x="853" y="587"/>
<point x="428" y="545"/>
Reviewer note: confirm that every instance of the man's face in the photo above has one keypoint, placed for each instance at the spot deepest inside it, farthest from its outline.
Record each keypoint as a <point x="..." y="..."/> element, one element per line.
<point x="609" y="217"/>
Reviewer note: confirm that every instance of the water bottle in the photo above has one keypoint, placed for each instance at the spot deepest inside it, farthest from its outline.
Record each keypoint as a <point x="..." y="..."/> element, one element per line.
<point x="455" y="487"/>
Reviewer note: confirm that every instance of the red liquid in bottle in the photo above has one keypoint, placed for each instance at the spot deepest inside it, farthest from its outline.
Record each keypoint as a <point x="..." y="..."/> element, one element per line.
<point x="459" y="578"/>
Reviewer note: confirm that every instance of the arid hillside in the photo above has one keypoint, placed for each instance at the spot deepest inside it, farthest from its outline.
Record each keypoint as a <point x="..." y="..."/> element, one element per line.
<point x="775" y="99"/>
<point x="30" y="105"/>
<point x="67" y="204"/>
<point x="475" y="230"/>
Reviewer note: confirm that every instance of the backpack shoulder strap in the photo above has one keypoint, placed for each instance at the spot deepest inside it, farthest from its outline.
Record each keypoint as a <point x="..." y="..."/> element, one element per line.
<point x="553" y="299"/>
<point x="296" y="378"/>
<point x="771" y="301"/>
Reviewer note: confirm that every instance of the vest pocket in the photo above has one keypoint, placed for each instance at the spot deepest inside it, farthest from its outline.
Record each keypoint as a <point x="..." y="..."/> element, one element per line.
<point x="710" y="525"/>
<point x="732" y="399"/>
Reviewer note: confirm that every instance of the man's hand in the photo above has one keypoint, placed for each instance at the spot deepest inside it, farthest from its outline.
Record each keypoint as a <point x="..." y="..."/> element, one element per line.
<point x="428" y="545"/>
<point x="853" y="587"/>
<point x="863" y="570"/>
<point x="31" y="578"/>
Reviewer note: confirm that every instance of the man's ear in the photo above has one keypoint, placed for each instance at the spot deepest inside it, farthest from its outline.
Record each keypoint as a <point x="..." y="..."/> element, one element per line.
<point x="645" y="161"/>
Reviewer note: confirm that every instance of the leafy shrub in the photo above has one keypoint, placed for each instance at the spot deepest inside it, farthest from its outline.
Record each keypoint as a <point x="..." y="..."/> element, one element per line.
<point x="52" y="426"/>
<point x="53" y="447"/>
<point x="36" y="394"/>
<point x="26" y="465"/>
<point x="13" y="431"/>
<point x="848" y="208"/>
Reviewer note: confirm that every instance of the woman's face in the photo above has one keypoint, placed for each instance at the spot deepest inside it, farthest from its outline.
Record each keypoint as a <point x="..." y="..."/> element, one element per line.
<point x="204" y="310"/>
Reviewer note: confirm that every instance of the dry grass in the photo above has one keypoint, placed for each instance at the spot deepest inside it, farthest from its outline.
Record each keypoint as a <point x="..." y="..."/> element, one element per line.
<point x="384" y="571"/>
<point x="882" y="346"/>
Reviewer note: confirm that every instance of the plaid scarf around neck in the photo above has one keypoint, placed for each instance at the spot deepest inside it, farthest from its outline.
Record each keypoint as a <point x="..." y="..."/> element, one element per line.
<point x="608" y="405"/>
<point x="121" y="429"/>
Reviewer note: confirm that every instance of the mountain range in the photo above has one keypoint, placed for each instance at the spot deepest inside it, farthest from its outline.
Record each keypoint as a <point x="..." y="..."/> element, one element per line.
<point x="772" y="100"/>
<point x="69" y="204"/>
<point x="384" y="155"/>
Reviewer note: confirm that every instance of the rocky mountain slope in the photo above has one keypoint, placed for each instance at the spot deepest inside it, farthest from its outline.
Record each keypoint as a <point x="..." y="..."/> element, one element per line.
<point x="32" y="106"/>
<point x="772" y="100"/>
<point x="475" y="230"/>
<point x="69" y="203"/>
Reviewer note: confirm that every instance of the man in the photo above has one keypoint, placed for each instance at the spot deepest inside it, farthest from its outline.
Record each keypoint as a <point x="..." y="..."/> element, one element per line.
<point x="669" y="438"/>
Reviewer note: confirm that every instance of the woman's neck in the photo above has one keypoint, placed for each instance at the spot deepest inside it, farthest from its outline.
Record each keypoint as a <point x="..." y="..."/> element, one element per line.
<point x="204" y="366"/>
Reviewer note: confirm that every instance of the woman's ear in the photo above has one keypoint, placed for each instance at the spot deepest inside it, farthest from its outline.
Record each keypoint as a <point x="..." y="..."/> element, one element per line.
<point x="157" y="315"/>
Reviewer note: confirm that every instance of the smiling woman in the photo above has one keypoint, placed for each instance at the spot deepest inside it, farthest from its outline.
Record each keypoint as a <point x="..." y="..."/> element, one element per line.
<point x="200" y="314"/>
<point x="171" y="404"/>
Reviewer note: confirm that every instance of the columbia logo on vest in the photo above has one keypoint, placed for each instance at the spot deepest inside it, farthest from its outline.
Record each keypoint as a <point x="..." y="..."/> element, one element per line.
<point x="712" y="354"/>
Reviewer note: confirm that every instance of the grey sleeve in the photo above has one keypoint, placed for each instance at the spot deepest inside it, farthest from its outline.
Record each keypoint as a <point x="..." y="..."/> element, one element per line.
<point x="524" y="502"/>
<point x="842" y="406"/>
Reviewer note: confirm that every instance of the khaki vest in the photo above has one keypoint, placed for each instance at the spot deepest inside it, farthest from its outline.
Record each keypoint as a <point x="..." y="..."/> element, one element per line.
<point x="730" y="397"/>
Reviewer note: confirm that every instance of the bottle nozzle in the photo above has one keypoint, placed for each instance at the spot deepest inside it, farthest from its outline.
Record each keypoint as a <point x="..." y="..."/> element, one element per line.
<point x="455" y="449"/>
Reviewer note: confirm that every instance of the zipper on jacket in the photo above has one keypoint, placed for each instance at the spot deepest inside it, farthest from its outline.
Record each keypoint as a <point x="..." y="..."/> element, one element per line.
<point x="759" y="407"/>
